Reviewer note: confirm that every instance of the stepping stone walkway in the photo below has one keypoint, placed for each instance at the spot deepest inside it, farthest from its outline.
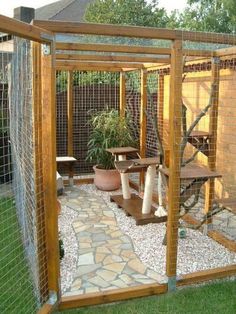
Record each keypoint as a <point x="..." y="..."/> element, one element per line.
<point x="106" y="258"/>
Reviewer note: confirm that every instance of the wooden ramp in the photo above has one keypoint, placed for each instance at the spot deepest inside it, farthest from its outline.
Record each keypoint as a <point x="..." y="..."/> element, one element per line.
<point x="133" y="207"/>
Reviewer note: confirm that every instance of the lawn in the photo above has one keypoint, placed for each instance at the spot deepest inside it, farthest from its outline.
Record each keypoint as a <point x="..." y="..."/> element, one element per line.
<point x="219" y="298"/>
<point x="16" y="292"/>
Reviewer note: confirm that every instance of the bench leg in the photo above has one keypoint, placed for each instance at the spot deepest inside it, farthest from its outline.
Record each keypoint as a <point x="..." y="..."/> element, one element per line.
<point x="125" y="181"/>
<point x="148" y="190"/>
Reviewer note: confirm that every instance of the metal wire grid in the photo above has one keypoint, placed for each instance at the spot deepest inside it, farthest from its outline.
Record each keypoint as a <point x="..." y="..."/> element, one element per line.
<point x="22" y="241"/>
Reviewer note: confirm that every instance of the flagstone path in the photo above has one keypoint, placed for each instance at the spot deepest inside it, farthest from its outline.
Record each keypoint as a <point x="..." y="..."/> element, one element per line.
<point x="106" y="258"/>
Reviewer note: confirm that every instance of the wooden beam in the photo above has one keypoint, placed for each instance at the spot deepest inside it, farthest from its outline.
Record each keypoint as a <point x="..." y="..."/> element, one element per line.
<point x="205" y="275"/>
<point x="174" y="144"/>
<point x="213" y="123"/>
<point x="88" y="68"/>
<point x="70" y="101"/>
<point x="107" y="29"/>
<point x="134" y="31"/>
<point x="38" y="172"/>
<point x="94" y="57"/>
<point x="113" y="48"/>
<point x="143" y="122"/>
<point x="225" y="52"/>
<point x="130" y="49"/>
<point x="100" y="64"/>
<point x="122" y="94"/>
<point x="49" y="168"/>
<point x="112" y="296"/>
<point x="25" y="30"/>
<point x="160" y="104"/>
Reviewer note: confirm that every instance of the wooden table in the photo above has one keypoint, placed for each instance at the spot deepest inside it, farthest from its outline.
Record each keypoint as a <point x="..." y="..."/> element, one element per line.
<point x="69" y="162"/>
<point x="197" y="174"/>
<point x="120" y="154"/>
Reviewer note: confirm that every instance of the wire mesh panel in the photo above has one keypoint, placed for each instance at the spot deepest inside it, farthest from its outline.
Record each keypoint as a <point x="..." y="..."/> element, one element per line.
<point x="206" y="118"/>
<point x="23" y="273"/>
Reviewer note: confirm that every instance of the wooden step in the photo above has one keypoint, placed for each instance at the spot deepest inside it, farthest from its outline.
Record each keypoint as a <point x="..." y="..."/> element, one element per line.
<point x="133" y="207"/>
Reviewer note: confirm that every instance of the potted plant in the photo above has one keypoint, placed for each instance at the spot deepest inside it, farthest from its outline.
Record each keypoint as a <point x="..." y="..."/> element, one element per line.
<point x="109" y="129"/>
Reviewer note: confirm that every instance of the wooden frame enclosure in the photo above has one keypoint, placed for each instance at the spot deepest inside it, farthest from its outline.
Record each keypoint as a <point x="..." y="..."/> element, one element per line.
<point x="118" y="58"/>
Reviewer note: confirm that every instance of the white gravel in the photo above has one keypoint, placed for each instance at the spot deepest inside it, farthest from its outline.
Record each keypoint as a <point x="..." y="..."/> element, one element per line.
<point x="196" y="252"/>
<point x="67" y="234"/>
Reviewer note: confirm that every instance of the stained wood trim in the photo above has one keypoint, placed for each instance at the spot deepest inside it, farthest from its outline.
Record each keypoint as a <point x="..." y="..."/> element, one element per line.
<point x="220" y="238"/>
<point x="70" y="112"/>
<point x="122" y="94"/>
<point x="88" y="68"/>
<point x="24" y="30"/>
<point x="113" y="48"/>
<point x="112" y="296"/>
<point x="38" y="175"/>
<point x="174" y="145"/>
<point x="100" y="64"/>
<point x="213" y="123"/>
<point x="225" y="52"/>
<point x="143" y="123"/>
<point x="111" y="58"/>
<point x="49" y="168"/>
<point x="160" y="104"/>
<point x="134" y="31"/>
<point x="206" y="275"/>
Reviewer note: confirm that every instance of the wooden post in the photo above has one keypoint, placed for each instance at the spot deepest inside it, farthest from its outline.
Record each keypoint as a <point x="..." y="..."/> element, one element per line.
<point x="49" y="166"/>
<point x="38" y="172"/>
<point x="160" y="102"/>
<point x="174" y="177"/>
<point x="213" y="122"/>
<point x="122" y="94"/>
<point x="143" y="123"/>
<point x="70" y="113"/>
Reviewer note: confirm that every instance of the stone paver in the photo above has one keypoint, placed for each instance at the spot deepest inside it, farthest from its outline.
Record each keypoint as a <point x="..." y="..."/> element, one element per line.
<point x="106" y="256"/>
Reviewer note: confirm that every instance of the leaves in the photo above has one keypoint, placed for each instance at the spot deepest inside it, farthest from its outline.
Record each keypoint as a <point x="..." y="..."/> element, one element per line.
<point x="109" y="129"/>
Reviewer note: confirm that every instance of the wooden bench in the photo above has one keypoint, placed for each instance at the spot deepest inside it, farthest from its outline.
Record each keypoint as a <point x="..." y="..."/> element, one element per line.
<point x="68" y="162"/>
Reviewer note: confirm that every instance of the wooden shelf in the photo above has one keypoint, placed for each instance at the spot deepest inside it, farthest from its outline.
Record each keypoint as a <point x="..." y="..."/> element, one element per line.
<point x="227" y="203"/>
<point x="121" y="150"/>
<point x="136" y="165"/>
<point x="191" y="172"/>
<point x="133" y="207"/>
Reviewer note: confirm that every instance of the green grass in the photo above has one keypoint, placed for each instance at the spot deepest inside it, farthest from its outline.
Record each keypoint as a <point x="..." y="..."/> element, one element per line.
<point x="217" y="298"/>
<point x="16" y="292"/>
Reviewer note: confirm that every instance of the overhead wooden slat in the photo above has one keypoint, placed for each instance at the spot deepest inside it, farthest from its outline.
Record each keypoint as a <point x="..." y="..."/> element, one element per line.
<point x="76" y="67"/>
<point x="134" y="31"/>
<point x="112" y="48"/>
<point x="226" y="52"/>
<point x="90" y="57"/>
<point x="107" y="29"/>
<point x="130" y="49"/>
<point x="101" y="64"/>
<point x="21" y="29"/>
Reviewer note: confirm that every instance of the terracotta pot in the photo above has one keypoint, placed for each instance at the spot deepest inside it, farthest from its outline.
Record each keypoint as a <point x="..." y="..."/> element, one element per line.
<point x="106" y="180"/>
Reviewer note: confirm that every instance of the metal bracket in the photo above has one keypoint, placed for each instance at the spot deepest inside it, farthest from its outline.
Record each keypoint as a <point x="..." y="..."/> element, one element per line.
<point x="52" y="298"/>
<point x="216" y="60"/>
<point x="171" y="284"/>
<point x="46" y="49"/>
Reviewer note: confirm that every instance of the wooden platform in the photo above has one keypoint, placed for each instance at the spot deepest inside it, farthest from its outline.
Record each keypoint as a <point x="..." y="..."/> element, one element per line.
<point x="227" y="203"/>
<point x="136" y="165"/>
<point x="194" y="171"/>
<point x="122" y="150"/>
<point x="133" y="207"/>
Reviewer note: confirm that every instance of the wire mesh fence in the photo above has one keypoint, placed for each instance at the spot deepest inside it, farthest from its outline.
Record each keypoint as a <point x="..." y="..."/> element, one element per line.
<point x="23" y="272"/>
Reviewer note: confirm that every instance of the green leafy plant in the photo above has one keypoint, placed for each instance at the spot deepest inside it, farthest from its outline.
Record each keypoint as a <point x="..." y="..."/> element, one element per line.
<point x="109" y="129"/>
